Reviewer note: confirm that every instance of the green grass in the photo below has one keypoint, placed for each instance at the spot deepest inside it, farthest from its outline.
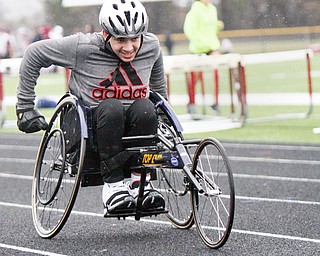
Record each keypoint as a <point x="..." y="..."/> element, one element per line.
<point x="48" y="84"/>
<point x="285" y="131"/>
<point x="254" y="45"/>
<point x="290" y="76"/>
<point x="275" y="77"/>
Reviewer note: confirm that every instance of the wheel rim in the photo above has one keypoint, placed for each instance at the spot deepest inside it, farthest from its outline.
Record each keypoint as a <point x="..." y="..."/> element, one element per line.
<point x="214" y="209"/>
<point x="174" y="187"/>
<point x="50" y="213"/>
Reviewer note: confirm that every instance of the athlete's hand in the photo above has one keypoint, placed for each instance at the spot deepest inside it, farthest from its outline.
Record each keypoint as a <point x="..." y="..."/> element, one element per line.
<point x="163" y="117"/>
<point x="30" y="120"/>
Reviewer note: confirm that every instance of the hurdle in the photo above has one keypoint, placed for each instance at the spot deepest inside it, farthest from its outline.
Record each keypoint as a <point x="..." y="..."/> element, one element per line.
<point x="212" y="63"/>
<point x="283" y="56"/>
<point x="7" y="66"/>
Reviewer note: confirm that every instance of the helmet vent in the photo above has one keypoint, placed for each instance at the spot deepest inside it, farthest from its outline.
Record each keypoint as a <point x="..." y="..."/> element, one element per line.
<point x="115" y="29"/>
<point x="123" y="18"/>
<point x="120" y="20"/>
<point x="128" y="18"/>
<point x="135" y="18"/>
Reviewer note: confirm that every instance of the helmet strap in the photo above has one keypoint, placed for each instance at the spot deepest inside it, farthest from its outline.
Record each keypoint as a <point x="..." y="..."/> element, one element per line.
<point x="106" y="48"/>
<point x="140" y="44"/>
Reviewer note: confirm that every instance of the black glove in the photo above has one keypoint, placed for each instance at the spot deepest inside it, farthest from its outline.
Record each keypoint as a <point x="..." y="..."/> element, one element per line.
<point x="30" y="120"/>
<point x="163" y="117"/>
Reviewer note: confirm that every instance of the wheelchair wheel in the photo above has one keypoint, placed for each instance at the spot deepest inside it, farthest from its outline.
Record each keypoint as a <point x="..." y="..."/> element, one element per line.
<point x="49" y="178"/>
<point x="214" y="208"/>
<point x="58" y="167"/>
<point x="174" y="186"/>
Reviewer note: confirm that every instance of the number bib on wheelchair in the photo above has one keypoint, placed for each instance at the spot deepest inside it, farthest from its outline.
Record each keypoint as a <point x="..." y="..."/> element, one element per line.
<point x="160" y="159"/>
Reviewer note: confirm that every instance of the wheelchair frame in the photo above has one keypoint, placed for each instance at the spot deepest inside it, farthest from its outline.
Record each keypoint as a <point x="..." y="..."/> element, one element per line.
<point x="194" y="176"/>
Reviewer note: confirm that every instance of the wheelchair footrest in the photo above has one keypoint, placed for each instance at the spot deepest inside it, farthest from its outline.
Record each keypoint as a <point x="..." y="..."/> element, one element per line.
<point x="92" y="178"/>
<point x="136" y="214"/>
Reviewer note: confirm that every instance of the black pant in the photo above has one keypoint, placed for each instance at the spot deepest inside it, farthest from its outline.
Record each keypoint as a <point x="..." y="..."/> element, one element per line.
<point x="112" y="122"/>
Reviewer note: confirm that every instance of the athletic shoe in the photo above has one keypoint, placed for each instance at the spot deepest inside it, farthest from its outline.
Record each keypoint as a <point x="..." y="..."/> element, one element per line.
<point x="152" y="199"/>
<point x="116" y="198"/>
<point x="192" y="110"/>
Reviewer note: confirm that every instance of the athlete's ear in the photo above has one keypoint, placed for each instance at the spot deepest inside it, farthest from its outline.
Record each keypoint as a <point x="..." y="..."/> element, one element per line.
<point x="105" y="35"/>
<point x="106" y="47"/>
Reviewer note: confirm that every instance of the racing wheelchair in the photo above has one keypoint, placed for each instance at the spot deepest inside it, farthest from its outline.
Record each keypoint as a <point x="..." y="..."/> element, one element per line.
<point x="194" y="176"/>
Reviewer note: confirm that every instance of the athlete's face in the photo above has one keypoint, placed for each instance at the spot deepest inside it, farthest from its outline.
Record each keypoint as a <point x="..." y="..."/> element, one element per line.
<point x="206" y="1"/>
<point x="125" y="48"/>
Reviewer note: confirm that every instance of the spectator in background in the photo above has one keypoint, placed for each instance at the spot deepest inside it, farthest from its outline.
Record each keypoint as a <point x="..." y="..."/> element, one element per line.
<point x="46" y="31"/>
<point x="6" y="44"/>
<point x="168" y="42"/>
<point x="23" y="39"/>
<point x="38" y="36"/>
<point x="56" y="32"/>
<point x="201" y="26"/>
<point x="41" y="33"/>
<point x="89" y="28"/>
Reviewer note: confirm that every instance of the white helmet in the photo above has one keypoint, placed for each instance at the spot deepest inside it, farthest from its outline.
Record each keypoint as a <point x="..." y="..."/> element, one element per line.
<point x="123" y="18"/>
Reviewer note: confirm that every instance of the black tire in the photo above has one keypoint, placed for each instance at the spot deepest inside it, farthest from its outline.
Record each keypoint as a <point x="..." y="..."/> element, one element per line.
<point x="214" y="208"/>
<point x="58" y="167"/>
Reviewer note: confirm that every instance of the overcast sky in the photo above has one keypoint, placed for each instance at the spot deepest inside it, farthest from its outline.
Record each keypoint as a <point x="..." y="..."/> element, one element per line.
<point x="17" y="9"/>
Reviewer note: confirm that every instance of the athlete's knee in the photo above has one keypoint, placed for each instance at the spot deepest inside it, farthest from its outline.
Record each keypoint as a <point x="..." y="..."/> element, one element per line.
<point x="109" y="111"/>
<point x="144" y="108"/>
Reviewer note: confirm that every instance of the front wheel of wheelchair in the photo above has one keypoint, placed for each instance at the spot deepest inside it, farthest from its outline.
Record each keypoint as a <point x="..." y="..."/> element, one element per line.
<point x="214" y="207"/>
<point x="174" y="186"/>
<point x="58" y="166"/>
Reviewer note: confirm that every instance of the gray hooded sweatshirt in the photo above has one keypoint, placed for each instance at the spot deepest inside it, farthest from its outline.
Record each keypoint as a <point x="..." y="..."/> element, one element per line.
<point x="92" y="77"/>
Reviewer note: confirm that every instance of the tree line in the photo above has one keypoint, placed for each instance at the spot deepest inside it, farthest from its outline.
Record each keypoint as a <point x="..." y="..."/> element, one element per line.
<point x="168" y="17"/>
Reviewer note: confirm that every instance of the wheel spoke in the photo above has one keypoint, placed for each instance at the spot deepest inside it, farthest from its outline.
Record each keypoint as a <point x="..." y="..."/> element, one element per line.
<point x="214" y="208"/>
<point x="54" y="190"/>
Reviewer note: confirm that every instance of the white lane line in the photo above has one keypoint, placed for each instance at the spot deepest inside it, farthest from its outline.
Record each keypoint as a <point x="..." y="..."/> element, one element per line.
<point x="244" y="176"/>
<point x="24" y="177"/>
<point x="24" y="249"/>
<point x="271" y="146"/>
<point x="15" y="176"/>
<point x="21" y="136"/>
<point x="17" y="160"/>
<point x="296" y="238"/>
<point x="19" y="147"/>
<point x="231" y="158"/>
<point x="276" y="200"/>
<point x="225" y="144"/>
<point x="247" y="232"/>
<point x="273" y="160"/>
<point x="279" y="178"/>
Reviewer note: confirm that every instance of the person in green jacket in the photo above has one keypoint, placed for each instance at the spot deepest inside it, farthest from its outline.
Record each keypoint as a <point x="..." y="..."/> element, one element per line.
<point x="201" y="26"/>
